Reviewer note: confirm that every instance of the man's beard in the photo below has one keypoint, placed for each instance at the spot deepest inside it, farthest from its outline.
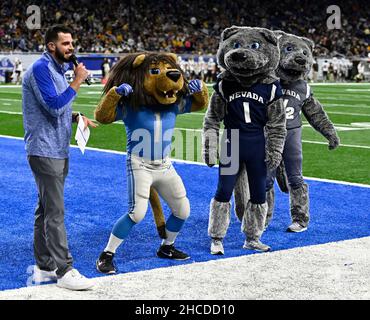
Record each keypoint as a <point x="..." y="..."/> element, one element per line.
<point x="60" y="55"/>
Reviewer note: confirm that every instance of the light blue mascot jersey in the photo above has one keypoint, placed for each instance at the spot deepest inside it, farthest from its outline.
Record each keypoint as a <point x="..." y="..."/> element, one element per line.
<point x="149" y="131"/>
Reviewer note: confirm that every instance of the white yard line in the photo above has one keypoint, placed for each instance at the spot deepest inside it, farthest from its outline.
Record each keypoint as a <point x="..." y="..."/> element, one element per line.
<point x="329" y="105"/>
<point x="203" y="164"/>
<point x="341" y="145"/>
<point x="10" y="112"/>
<point x="349" y="114"/>
<point x="338" y="84"/>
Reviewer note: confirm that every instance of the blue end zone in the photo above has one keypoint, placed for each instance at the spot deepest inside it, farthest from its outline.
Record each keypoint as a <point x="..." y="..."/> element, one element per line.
<point x="95" y="198"/>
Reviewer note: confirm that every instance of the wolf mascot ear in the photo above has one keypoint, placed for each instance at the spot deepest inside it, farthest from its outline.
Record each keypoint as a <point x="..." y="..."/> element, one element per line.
<point x="228" y="32"/>
<point x="270" y="36"/>
<point x="309" y="42"/>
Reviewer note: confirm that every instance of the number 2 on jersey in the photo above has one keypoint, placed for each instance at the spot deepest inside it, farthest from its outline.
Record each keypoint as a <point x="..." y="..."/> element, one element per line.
<point x="289" y="111"/>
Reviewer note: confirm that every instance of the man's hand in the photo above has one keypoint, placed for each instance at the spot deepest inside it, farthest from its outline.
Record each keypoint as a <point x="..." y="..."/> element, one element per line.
<point x="87" y="122"/>
<point x="124" y="89"/>
<point x="195" y="86"/>
<point x="81" y="73"/>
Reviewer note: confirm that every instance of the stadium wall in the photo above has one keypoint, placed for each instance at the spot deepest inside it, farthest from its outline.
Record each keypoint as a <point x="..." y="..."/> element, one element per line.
<point x="93" y="62"/>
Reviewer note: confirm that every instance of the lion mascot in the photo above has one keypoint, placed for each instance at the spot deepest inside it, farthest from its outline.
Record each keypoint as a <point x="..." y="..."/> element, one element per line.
<point x="247" y="99"/>
<point x="295" y="63"/>
<point x="147" y="91"/>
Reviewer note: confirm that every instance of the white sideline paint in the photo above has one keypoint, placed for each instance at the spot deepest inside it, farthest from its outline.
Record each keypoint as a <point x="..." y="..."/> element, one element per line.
<point x="337" y="270"/>
<point x="203" y="164"/>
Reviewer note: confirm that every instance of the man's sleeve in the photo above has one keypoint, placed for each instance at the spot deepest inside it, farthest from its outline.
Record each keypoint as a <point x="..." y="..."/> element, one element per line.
<point x="43" y="86"/>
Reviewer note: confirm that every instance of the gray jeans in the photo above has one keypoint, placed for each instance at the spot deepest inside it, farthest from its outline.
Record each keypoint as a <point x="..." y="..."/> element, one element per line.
<point x="50" y="239"/>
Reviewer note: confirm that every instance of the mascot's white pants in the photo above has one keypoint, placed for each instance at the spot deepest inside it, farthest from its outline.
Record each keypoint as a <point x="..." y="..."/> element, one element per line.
<point x="142" y="174"/>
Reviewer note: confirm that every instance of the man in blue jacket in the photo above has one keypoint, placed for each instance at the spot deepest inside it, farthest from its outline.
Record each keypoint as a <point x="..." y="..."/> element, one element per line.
<point x="47" y="118"/>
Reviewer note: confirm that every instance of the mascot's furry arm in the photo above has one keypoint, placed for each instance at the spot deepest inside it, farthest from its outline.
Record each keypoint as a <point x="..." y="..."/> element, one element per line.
<point x="211" y="128"/>
<point x="106" y="113"/>
<point x="319" y="120"/>
<point x="275" y="133"/>
<point x="106" y="110"/>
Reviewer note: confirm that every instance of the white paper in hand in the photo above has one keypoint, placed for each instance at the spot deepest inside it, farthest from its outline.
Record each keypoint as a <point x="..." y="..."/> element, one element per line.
<point x="82" y="135"/>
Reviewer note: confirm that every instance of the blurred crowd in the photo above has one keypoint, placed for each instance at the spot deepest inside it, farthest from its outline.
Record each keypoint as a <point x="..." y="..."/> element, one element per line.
<point x="183" y="26"/>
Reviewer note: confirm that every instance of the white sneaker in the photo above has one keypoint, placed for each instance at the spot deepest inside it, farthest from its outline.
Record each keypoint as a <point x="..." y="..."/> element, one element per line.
<point x="73" y="280"/>
<point x="42" y="276"/>
<point x="256" y="245"/>
<point x="217" y="247"/>
<point x="296" y="227"/>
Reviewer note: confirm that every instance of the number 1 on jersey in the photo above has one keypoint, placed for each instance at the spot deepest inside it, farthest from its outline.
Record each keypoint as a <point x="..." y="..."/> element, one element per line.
<point x="247" y="115"/>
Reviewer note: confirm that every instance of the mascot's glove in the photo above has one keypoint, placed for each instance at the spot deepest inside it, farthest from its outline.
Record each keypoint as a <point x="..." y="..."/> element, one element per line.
<point x="124" y="89"/>
<point x="195" y="86"/>
<point x="210" y="147"/>
<point x="273" y="159"/>
<point x="210" y="156"/>
<point x="334" y="142"/>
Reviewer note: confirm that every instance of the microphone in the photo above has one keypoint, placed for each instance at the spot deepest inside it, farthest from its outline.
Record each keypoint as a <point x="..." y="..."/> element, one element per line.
<point x="74" y="60"/>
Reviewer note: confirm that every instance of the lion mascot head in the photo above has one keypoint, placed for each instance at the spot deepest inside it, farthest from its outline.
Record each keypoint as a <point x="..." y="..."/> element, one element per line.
<point x="156" y="79"/>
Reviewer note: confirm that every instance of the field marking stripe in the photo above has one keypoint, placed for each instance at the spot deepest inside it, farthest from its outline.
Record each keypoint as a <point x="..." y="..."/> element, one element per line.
<point x="341" y="145"/>
<point x="11" y="112"/>
<point x="203" y="164"/>
<point x="348" y="114"/>
<point x="339" y="182"/>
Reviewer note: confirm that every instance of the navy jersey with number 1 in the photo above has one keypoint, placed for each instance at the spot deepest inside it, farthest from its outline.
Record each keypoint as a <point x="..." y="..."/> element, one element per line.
<point x="246" y="108"/>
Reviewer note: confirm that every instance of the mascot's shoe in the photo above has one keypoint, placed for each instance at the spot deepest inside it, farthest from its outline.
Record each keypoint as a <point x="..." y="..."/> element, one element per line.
<point x="105" y="263"/>
<point x="217" y="248"/>
<point x="256" y="245"/>
<point x="170" y="252"/>
<point x="296" y="227"/>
